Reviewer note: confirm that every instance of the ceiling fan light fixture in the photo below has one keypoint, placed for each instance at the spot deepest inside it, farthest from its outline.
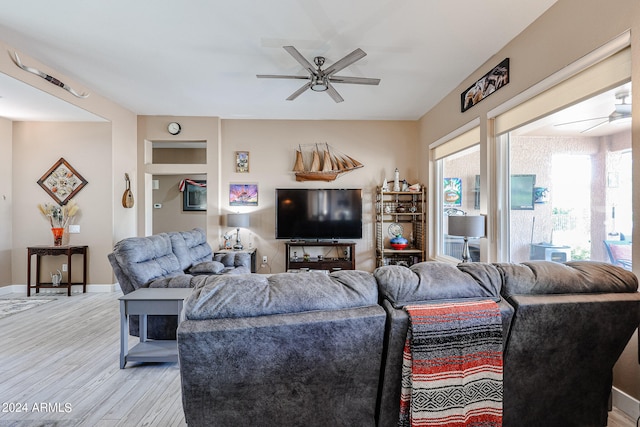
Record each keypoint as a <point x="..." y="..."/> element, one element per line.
<point x="319" y="84"/>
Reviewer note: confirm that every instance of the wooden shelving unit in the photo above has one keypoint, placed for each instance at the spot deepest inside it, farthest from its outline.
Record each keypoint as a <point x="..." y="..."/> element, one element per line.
<point x="412" y="220"/>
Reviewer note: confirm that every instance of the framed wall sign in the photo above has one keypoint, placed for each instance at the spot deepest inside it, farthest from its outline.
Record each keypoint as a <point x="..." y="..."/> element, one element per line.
<point x="62" y="182"/>
<point x="194" y="195"/>
<point x="452" y="192"/>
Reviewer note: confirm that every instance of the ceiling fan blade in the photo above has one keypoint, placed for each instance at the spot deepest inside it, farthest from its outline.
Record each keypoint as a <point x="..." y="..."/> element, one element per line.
<point x="580" y="121"/>
<point x="345" y="62"/>
<point x="301" y="59"/>
<point x="355" y="80"/>
<point x="333" y="93"/>
<point x="595" y="126"/>
<point x="297" y="93"/>
<point x="277" y="76"/>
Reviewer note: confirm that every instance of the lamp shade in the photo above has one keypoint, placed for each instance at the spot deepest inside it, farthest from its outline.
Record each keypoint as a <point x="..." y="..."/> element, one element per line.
<point x="238" y="220"/>
<point x="466" y="225"/>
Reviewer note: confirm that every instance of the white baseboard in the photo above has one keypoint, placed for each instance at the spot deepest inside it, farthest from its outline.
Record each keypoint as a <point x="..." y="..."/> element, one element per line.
<point x="98" y="288"/>
<point x="626" y="403"/>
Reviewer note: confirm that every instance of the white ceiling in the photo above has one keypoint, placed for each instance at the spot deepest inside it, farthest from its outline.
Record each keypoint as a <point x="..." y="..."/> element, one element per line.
<point x="200" y="58"/>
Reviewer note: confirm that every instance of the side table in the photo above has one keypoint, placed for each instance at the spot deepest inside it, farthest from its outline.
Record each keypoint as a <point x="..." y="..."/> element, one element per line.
<point x="68" y="250"/>
<point x="144" y="302"/>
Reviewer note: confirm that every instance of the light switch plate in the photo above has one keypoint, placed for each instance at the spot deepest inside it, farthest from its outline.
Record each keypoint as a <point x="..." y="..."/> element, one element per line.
<point x="74" y="228"/>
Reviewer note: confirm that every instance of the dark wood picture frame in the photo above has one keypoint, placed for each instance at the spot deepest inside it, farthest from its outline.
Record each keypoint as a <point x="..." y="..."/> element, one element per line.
<point x="62" y="182"/>
<point x="194" y="197"/>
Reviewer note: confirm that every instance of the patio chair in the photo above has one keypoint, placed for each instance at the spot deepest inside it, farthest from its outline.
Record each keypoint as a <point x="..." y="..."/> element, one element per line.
<point x="619" y="252"/>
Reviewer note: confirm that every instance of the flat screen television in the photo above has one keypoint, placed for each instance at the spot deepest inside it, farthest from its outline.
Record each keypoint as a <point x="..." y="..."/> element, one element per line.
<point x="318" y="214"/>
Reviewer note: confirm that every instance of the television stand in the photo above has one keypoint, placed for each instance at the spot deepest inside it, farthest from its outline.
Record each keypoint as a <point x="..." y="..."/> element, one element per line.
<point x="320" y="255"/>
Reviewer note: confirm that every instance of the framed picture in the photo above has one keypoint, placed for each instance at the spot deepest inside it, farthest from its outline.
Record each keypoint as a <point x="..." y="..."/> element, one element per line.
<point x="194" y="195"/>
<point x="489" y="83"/>
<point x="452" y="192"/>
<point x="62" y="182"/>
<point x="243" y="194"/>
<point x="242" y="161"/>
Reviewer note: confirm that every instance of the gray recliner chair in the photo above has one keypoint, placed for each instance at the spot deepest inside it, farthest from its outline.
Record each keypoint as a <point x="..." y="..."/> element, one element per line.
<point x="282" y="350"/>
<point x="168" y="260"/>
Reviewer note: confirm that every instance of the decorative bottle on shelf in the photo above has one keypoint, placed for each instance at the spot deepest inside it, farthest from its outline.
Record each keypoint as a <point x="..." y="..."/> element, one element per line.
<point x="396" y="180"/>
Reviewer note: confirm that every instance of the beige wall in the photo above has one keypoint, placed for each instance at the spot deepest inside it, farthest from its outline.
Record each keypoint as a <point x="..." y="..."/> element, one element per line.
<point x="6" y="194"/>
<point x="199" y="129"/>
<point x="558" y="38"/>
<point x="87" y="148"/>
<point x="117" y="158"/>
<point x="381" y="146"/>
<point x="170" y="216"/>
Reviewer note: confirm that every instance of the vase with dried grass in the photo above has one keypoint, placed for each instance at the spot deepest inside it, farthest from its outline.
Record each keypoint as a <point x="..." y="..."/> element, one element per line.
<point x="59" y="217"/>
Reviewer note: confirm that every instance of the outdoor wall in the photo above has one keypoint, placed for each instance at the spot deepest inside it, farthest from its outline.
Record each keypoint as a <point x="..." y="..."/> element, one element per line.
<point x="533" y="155"/>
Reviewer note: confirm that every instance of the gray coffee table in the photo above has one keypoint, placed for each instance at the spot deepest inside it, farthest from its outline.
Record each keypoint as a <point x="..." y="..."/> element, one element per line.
<point x="144" y="302"/>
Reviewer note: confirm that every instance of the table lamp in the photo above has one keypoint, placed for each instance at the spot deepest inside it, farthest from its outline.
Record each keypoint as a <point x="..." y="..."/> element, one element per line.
<point x="466" y="226"/>
<point x="238" y="220"/>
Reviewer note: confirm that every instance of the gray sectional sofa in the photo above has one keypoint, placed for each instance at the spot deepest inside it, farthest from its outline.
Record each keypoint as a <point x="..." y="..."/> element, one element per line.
<point x="311" y="349"/>
<point x="169" y="260"/>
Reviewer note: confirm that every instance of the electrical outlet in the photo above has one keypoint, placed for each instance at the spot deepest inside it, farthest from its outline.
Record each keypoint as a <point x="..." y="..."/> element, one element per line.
<point x="264" y="259"/>
<point x="64" y="267"/>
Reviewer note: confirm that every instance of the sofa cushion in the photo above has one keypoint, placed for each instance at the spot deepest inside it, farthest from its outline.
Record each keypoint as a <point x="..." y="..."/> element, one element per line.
<point x="174" y="281"/>
<point x="206" y="267"/>
<point x="233" y="259"/>
<point x="143" y="259"/>
<point x="575" y="277"/>
<point x="430" y="281"/>
<point x="251" y="295"/>
<point x="190" y="247"/>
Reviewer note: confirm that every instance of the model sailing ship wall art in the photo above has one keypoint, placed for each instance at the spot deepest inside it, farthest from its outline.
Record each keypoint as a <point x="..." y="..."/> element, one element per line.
<point x="321" y="162"/>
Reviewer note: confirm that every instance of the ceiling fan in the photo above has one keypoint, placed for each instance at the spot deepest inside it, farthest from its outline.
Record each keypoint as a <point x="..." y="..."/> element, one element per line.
<point x="320" y="80"/>
<point x="621" y="111"/>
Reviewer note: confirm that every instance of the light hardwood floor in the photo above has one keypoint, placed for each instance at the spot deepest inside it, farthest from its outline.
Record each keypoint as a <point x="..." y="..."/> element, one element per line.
<point x="65" y="355"/>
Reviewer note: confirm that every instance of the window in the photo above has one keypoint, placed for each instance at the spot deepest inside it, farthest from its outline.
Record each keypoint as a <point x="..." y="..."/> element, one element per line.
<point x="456" y="186"/>
<point x="460" y="196"/>
<point x="578" y="165"/>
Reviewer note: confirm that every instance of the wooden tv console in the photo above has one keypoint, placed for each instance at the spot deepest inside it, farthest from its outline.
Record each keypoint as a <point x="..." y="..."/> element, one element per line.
<point x="320" y="255"/>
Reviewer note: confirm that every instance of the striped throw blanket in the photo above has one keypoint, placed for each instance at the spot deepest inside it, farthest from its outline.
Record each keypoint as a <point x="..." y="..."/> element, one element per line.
<point x="452" y="366"/>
